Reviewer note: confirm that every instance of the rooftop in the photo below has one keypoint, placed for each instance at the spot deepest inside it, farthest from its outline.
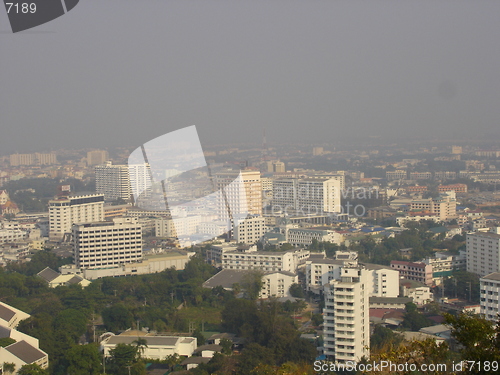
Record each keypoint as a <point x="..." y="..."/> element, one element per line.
<point x="151" y="340"/>
<point x="493" y="276"/>
<point x="25" y="352"/>
<point x="6" y="313"/>
<point x="48" y="274"/>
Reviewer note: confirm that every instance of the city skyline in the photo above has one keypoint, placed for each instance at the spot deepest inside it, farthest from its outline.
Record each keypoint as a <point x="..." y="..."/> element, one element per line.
<point x="305" y="72"/>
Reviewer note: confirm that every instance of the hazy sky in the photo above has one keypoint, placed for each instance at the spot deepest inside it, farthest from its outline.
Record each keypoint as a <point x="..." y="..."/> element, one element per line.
<point x="113" y="73"/>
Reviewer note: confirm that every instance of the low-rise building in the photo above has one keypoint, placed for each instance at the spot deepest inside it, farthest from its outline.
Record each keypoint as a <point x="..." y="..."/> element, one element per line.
<point x="265" y="260"/>
<point x="157" y="347"/>
<point x="389" y="302"/>
<point x="55" y="279"/>
<point x="10" y="316"/>
<point x="420" y="272"/>
<point x="419" y="293"/>
<point x="149" y="264"/>
<point x="305" y="236"/>
<point x="274" y="283"/>
<point x="443" y="264"/>
<point x="22" y="353"/>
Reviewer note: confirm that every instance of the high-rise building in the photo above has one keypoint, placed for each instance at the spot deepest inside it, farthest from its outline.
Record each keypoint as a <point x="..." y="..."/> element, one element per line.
<point x="346" y="316"/>
<point x="242" y="193"/>
<point x="310" y="195"/>
<point x="104" y="244"/>
<point x="489" y="300"/>
<point x="483" y="252"/>
<point x="97" y="157"/>
<point x="119" y="181"/>
<point x="17" y="160"/>
<point x="279" y="167"/>
<point x="140" y="178"/>
<point x="66" y="211"/>
<point x="44" y="159"/>
<point x="250" y="230"/>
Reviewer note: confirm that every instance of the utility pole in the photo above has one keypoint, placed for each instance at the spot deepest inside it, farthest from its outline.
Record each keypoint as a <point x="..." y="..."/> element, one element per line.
<point x="470" y="291"/>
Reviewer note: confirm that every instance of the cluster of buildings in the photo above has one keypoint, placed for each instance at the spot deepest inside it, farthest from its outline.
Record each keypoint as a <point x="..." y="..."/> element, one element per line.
<point x="24" y="350"/>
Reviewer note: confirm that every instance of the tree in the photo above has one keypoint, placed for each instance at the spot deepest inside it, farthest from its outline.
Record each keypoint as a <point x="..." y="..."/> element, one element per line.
<point x="480" y="340"/>
<point x="84" y="360"/>
<point x="6" y="341"/>
<point x="32" y="370"/>
<point x="255" y="355"/>
<point x="384" y="339"/>
<point x="227" y="346"/>
<point x="173" y="359"/>
<point x="117" y="317"/>
<point x="297" y="291"/>
<point x="317" y="319"/>
<point x="200" y="338"/>
<point x="8" y="368"/>
<point x="415" y="354"/>
<point x="286" y="246"/>
<point x="121" y="357"/>
<point x="252" y="283"/>
<point x="141" y="344"/>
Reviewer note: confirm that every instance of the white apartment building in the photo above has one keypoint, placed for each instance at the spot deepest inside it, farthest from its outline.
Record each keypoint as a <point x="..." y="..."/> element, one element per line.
<point x="104" y="244"/>
<point x="305" y="236"/>
<point x="214" y="254"/>
<point x="320" y="272"/>
<point x="346" y="316"/>
<point x="121" y="181"/>
<point x="489" y="302"/>
<point x="140" y="179"/>
<point x="12" y="235"/>
<point x="242" y="194"/>
<point x="399" y="174"/>
<point x="113" y="181"/>
<point x="264" y="260"/>
<point x="277" y="284"/>
<point x="250" y="230"/>
<point x="381" y="281"/>
<point x="66" y="211"/>
<point x="267" y="183"/>
<point x="418" y="292"/>
<point x="310" y="195"/>
<point x="483" y="252"/>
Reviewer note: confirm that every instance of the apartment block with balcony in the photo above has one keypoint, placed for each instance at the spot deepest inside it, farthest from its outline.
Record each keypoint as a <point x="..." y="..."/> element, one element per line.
<point x="483" y="252"/>
<point x="420" y="272"/>
<point x="264" y="260"/>
<point x="346" y="316"/>
<point x="105" y="244"/>
<point x="66" y="211"/>
<point x="489" y="299"/>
